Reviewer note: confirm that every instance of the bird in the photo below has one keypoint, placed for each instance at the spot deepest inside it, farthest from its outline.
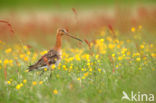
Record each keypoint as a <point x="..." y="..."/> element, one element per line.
<point x="53" y="56"/>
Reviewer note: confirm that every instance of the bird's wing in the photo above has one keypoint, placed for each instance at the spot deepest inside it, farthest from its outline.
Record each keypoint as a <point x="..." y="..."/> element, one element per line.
<point x="46" y="60"/>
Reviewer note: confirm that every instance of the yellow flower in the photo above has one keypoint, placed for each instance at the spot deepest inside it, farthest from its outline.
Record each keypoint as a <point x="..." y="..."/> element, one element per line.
<point x="116" y="41"/>
<point x="121" y="42"/>
<point x="83" y="69"/>
<point x="25" y="47"/>
<point x="90" y="69"/>
<point x="113" y="55"/>
<point x="83" y="77"/>
<point x="55" y="91"/>
<point x="97" y="56"/>
<point x="137" y="54"/>
<point x="41" y="82"/>
<point x="55" y="59"/>
<point x="142" y="46"/>
<point x="34" y="56"/>
<point x="0" y="61"/>
<point x="34" y="83"/>
<point x="45" y="69"/>
<point x="98" y="61"/>
<point x="64" y="67"/>
<point x="28" y="52"/>
<point x="9" y="82"/>
<point x="24" y="81"/>
<point x="128" y="53"/>
<point x="119" y="58"/>
<point x="22" y="55"/>
<point x="111" y="46"/>
<point x="43" y="52"/>
<point x="133" y="29"/>
<point x="118" y="46"/>
<point x="53" y="66"/>
<point x="85" y="56"/>
<point x="140" y="27"/>
<point x="25" y="58"/>
<point x="103" y="52"/>
<point x="145" y="58"/>
<point x="18" y="87"/>
<point x="127" y="41"/>
<point x="88" y="64"/>
<point x="59" y="66"/>
<point x="102" y="40"/>
<point x="71" y="66"/>
<point x="140" y="68"/>
<point x="138" y="59"/>
<point x="151" y="45"/>
<point x="79" y="78"/>
<point x="77" y="57"/>
<point x="99" y="70"/>
<point x="8" y="50"/>
<point x="6" y="61"/>
<point x="26" y="70"/>
<point x="21" y="84"/>
<point x="153" y="55"/>
<point x="86" y="74"/>
<point x="10" y="61"/>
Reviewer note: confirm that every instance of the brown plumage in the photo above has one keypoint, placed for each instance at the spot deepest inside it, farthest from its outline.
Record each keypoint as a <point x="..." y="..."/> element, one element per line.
<point x="54" y="55"/>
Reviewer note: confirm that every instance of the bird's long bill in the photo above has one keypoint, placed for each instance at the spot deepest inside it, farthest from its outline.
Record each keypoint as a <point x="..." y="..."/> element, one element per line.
<point x="73" y="37"/>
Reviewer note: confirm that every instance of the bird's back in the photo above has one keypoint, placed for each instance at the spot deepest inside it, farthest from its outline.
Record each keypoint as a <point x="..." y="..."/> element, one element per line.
<point x="52" y="57"/>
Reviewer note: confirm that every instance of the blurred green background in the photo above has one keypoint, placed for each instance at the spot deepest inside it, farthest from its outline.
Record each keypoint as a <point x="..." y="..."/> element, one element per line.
<point x="9" y="4"/>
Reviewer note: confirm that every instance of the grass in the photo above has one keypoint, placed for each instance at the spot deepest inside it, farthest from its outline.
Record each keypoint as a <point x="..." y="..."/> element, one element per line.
<point x="53" y="4"/>
<point x="99" y="74"/>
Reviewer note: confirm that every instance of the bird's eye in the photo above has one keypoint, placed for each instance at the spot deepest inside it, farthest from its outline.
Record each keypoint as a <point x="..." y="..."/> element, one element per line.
<point x="62" y="30"/>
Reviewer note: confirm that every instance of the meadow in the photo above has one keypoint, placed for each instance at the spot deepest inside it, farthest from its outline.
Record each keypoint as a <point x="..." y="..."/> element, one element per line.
<point x="117" y="54"/>
<point x="95" y="72"/>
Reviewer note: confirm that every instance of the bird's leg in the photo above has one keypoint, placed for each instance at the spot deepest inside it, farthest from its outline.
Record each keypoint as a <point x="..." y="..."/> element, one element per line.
<point x="42" y="73"/>
<point x="50" y="74"/>
<point x="50" y="71"/>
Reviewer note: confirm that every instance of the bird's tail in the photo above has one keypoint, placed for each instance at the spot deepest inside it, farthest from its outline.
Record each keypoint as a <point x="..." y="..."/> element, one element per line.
<point x="32" y="67"/>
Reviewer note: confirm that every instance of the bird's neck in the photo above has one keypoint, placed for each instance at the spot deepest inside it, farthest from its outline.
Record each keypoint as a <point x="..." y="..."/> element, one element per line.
<point x="58" y="43"/>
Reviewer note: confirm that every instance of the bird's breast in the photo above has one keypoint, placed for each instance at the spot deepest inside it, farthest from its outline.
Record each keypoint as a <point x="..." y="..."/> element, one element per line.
<point x="60" y="54"/>
<point x="59" y="58"/>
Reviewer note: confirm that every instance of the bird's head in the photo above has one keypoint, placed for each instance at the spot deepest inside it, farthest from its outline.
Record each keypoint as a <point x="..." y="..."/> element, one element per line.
<point x="62" y="31"/>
